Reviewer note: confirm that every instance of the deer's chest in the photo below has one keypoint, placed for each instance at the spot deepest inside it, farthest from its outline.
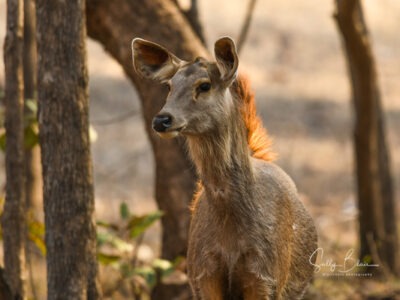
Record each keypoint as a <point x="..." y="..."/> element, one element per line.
<point x="221" y="235"/>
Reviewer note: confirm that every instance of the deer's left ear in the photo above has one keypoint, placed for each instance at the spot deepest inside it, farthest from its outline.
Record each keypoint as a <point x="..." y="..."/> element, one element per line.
<point x="227" y="59"/>
<point x="153" y="61"/>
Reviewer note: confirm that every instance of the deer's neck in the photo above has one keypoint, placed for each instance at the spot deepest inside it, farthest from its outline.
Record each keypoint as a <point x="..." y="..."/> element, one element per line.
<point x="222" y="157"/>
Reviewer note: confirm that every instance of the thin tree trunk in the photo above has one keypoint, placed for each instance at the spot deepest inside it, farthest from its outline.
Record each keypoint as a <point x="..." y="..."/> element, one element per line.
<point x="193" y="17"/>
<point x="30" y="56"/>
<point x="114" y="24"/>
<point x="33" y="186"/>
<point x="32" y="156"/>
<point x="65" y="148"/>
<point x="13" y="221"/>
<point x="246" y="26"/>
<point x="377" y="221"/>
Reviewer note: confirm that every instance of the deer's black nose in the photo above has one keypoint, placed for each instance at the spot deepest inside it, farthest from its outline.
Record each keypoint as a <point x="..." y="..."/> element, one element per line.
<point x="162" y="122"/>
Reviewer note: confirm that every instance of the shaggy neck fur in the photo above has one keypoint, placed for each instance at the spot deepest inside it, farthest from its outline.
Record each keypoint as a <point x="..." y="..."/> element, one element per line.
<point x="222" y="156"/>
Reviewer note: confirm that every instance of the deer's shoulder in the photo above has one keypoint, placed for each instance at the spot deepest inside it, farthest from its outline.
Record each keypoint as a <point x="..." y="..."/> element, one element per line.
<point x="272" y="179"/>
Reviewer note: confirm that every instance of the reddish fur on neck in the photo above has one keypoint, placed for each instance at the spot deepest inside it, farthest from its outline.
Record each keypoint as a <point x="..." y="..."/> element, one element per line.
<point x="257" y="137"/>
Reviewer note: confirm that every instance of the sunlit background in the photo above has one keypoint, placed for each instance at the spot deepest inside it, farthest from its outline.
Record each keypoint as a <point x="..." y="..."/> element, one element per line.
<point x="294" y="59"/>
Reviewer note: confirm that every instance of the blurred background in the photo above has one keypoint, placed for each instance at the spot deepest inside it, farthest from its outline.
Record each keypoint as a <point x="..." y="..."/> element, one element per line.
<point x="294" y="59"/>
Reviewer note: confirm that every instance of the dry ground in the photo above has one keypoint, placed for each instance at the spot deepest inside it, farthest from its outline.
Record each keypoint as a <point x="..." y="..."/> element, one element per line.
<point x="294" y="59"/>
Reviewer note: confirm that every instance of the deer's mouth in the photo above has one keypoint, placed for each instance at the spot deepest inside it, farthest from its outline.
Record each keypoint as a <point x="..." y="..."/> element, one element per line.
<point x="166" y="125"/>
<point x="171" y="132"/>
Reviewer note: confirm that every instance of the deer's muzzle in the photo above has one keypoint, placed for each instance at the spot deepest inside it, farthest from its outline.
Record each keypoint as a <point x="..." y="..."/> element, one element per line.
<point x="162" y="122"/>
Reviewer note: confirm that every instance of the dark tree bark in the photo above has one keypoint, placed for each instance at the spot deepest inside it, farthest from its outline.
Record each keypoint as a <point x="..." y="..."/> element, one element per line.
<point x="65" y="149"/>
<point x="114" y="24"/>
<point x="30" y="56"/>
<point x="5" y="292"/>
<point x="13" y="220"/>
<point x="377" y="220"/>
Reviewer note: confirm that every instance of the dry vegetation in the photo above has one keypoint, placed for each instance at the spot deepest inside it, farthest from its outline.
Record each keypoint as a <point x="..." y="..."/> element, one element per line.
<point x="293" y="57"/>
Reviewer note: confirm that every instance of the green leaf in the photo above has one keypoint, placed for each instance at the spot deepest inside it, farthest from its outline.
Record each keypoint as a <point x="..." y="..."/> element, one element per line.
<point x="31" y="138"/>
<point x="148" y="273"/>
<point x="39" y="243"/>
<point x="138" y="225"/>
<point x="36" y="233"/>
<point x="165" y="266"/>
<point x="102" y="238"/>
<point x="162" y="264"/>
<point x="31" y="104"/>
<point x="367" y="259"/>
<point x="36" y="228"/>
<point x="107" y="259"/>
<point x="107" y="225"/>
<point x="113" y="241"/>
<point x="126" y="270"/>
<point x="124" y="211"/>
<point x="30" y="113"/>
<point x="3" y="141"/>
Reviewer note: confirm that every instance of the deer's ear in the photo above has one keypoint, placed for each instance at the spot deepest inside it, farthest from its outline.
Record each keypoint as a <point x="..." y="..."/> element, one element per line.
<point x="153" y="61"/>
<point x="227" y="59"/>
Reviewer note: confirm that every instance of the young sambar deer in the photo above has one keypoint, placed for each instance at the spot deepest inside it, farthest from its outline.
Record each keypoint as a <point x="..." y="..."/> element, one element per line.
<point x="250" y="236"/>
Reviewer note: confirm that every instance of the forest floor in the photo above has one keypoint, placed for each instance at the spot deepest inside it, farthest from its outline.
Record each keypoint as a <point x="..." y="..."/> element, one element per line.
<point x="294" y="60"/>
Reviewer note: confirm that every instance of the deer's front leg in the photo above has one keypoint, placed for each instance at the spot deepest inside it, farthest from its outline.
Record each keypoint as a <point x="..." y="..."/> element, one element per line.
<point x="255" y="288"/>
<point x="209" y="288"/>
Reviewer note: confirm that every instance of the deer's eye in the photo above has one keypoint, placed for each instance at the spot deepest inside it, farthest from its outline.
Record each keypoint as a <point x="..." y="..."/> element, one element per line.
<point x="204" y="87"/>
<point x="168" y="86"/>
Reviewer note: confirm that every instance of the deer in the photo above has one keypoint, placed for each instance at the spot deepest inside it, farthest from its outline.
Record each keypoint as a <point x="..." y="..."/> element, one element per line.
<point x="250" y="236"/>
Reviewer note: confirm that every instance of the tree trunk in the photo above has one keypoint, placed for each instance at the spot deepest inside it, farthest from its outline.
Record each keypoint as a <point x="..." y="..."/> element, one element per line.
<point x="32" y="156"/>
<point x="33" y="185"/>
<point x="114" y="24"/>
<point x="65" y="149"/>
<point x="193" y="17"/>
<point x="13" y="221"/>
<point x="246" y="26"/>
<point x="5" y="292"/>
<point x="377" y="221"/>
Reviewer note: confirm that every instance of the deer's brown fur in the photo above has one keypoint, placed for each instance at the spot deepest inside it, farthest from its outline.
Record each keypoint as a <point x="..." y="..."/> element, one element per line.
<point x="250" y="236"/>
<point x="257" y="137"/>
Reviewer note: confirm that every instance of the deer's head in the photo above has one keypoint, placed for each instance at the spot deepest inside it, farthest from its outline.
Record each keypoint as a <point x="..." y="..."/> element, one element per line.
<point x="198" y="96"/>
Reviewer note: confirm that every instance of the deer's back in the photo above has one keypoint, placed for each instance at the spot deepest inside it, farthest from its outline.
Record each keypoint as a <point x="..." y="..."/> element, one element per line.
<point x="295" y="229"/>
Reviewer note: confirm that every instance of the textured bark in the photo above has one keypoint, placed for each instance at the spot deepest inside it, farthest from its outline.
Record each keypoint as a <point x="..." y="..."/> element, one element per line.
<point x="30" y="56"/>
<point x="65" y="149"/>
<point x="13" y="220"/>
<point x="114" y="24"/>
<point x="377" y="220"/>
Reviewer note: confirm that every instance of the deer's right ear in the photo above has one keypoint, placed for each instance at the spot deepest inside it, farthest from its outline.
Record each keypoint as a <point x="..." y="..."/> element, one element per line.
<point x="153" y="61"/>
<point x="227" y="59"/>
